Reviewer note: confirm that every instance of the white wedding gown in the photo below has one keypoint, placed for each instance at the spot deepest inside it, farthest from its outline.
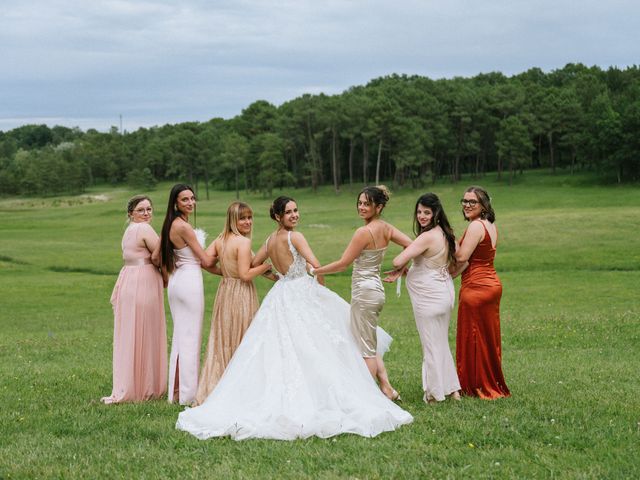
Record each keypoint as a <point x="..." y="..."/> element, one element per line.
<point x="296" y="374"/>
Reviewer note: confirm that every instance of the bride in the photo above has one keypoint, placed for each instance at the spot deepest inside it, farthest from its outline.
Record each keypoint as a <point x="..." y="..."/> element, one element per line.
<point x="297" y="372"/>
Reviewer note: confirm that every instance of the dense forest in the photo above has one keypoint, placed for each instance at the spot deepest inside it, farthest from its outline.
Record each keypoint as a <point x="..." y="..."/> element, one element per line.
<point x="405" y="130"/>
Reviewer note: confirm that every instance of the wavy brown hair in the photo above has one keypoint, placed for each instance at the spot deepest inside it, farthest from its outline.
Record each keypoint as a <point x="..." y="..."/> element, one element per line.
<point x="431" y="201"/>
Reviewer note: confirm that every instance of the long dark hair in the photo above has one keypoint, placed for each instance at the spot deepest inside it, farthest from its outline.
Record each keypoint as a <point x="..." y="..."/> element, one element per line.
<point x="485" y="203"/>
<point x="166" y="247"/>
<point x="431" y="201"/>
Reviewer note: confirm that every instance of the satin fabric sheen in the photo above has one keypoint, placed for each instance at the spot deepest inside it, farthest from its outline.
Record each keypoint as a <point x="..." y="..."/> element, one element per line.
<point x="478" y="343"/>
<point x="367" y="299"/>
<point x="432" y="296"/>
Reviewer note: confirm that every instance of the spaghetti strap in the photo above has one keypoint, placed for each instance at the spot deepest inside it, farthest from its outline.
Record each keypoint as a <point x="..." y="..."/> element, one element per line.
<point x="266" y="244"/>
<point x="375" y="245"/>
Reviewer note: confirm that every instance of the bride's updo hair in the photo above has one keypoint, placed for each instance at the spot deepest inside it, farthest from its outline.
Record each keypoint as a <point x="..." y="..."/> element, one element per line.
<point x="278" y="206"/>
<point x="378" y="195"/>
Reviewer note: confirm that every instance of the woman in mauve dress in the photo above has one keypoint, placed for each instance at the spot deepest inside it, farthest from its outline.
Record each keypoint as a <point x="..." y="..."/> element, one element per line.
<point x="139" y="333"/>
<point x="432" y="295"/>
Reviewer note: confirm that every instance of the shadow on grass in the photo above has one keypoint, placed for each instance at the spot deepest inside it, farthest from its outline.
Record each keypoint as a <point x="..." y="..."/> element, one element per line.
<point x="4" y="258"/>
<point x="90" y="271"/>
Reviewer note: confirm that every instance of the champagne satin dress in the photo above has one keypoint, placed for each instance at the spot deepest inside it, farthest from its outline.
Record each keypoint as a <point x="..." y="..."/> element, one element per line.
<point x="234" y="307"/>
<point x="367" y="299"/>
<point x="478" y="343"/>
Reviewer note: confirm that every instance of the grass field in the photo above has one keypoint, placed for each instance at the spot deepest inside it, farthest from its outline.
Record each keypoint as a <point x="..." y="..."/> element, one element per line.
<point x="569" y="259"/>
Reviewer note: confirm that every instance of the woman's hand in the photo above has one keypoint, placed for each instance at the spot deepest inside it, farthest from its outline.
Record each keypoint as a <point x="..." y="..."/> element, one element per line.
<point x="393" y="275"/>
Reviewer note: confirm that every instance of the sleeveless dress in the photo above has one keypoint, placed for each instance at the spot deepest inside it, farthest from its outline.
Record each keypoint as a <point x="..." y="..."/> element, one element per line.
<point x="139" y="330"/>
<point x="432" y="296"/>
<point x="186" y="300"/>
<point x="478" y="348"/>
<point x="297" y="373"/>
<point x="367" y="299"/>
<point x="235" y="305"/>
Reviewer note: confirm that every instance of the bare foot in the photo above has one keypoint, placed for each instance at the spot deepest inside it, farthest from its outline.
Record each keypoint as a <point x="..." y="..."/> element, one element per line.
<point x="455" y="396"/>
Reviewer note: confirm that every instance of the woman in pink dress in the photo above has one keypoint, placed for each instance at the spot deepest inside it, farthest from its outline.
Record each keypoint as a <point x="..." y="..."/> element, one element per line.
<point x="182" y="255"/>
<point x="139" y="334"/>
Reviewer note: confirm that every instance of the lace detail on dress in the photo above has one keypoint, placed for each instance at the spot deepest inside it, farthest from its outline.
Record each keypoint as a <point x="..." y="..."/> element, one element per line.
<point x="298" y="267"/>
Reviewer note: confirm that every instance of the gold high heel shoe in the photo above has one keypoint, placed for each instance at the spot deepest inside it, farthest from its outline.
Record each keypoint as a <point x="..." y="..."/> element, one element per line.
<point x="395" y="397"/>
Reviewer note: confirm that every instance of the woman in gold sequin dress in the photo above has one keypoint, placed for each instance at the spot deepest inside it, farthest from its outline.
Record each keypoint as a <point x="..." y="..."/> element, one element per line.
<point x="236" y="299"/>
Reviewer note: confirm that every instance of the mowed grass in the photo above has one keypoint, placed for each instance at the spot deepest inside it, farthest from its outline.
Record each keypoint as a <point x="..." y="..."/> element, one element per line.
<point x="569" y="259"/>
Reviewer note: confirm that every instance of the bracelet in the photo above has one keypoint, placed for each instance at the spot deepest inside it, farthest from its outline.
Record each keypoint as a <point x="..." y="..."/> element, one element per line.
<point x="312" y="271"/>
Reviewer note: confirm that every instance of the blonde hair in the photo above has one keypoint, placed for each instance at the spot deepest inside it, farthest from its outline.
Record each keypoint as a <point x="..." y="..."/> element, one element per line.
<point x="235" y="211"/>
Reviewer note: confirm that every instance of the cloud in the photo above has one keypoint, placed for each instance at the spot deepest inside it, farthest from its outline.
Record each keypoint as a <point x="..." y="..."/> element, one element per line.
<point x="168" y="61"/>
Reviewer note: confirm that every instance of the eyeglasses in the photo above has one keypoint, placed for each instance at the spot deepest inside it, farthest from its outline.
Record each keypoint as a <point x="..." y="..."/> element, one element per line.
<point x="471" y="203"/>
<point x="143" y="210"/>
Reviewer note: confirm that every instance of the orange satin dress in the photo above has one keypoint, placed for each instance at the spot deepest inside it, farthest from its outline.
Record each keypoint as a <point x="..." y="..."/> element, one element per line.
<point x="478" y="344"/>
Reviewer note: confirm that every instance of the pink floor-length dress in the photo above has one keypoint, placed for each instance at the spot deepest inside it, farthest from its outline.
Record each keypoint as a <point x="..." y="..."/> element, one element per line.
<point x="186" y="300"/>
<point x="139" y="334"/>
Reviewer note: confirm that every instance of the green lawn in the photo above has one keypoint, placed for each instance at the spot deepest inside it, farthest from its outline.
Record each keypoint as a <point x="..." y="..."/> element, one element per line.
<point x="569" y="259"/>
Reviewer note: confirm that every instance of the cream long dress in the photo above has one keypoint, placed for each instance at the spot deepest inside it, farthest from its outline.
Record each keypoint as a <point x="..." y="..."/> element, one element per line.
<point x="186" y="300"/>
<point x="432" y="296"/>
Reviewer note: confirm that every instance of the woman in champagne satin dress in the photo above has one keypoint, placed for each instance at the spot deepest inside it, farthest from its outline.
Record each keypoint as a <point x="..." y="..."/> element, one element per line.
<point x="432" y="295"/>
<point x="478" y="343"/>
<point x="236" y="299"/>
<point x="182" y="255"/>
<point x="366" y="251"/>
<point x="139" y="335"/>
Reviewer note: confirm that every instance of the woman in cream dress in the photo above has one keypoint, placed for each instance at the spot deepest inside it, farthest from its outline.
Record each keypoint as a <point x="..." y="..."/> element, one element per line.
<point x="432" y="295"/>
<point x="366" y="251"/>
<point x="182" y="255"/>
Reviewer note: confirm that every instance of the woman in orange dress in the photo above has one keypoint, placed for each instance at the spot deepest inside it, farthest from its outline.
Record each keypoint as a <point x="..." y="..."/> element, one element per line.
<point x="478" y="344"/>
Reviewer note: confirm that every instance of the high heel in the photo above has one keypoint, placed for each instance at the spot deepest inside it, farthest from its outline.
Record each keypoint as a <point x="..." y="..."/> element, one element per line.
<point x="395" y="397"/>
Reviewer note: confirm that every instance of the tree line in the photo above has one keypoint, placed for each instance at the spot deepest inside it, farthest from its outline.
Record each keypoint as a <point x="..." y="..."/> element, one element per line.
<point x="407" y="130"/>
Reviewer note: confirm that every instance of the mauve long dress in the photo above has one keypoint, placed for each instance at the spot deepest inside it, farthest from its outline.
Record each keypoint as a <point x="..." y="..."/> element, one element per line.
<point x="432" y="297"/>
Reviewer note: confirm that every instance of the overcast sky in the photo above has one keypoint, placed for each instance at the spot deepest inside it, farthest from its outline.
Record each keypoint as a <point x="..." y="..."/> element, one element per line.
<point x="86" y="62"/>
